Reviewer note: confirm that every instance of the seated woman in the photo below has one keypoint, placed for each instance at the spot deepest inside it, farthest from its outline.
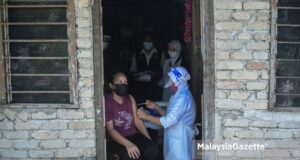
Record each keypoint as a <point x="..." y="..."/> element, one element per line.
<point x="130" y="139"/>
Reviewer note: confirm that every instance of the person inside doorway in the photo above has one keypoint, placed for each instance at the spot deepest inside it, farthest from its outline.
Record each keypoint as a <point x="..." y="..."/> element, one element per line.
<point x="146" y="67"/>
<point x="178" y="120"/>
<point x="129" y="137"/>
<point x="174" y="60"/>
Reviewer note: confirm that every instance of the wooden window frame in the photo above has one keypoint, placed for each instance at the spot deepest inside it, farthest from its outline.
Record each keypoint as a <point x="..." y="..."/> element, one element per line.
<point x="272" y="94"/>
<point x="72" y="51"/>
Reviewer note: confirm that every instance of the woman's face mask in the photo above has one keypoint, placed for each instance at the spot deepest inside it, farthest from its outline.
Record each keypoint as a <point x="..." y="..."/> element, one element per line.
<point x="173" y="54"/>
<point x="148" y="45"/>
<point x="121" y="89"/>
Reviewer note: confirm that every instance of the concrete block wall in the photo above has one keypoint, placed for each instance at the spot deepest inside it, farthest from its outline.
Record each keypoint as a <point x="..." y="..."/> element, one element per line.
<point x="40" y="132"/>
<point x="242" y="54"/>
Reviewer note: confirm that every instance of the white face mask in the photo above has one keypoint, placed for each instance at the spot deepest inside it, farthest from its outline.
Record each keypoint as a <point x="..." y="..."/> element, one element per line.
<point x="173" y="54"/>
<point x="105" y="45"/>
<point x="148" y="45"/>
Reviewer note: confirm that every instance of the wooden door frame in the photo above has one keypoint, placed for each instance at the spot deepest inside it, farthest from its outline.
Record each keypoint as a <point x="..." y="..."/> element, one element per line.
<point x="206" y="19"/>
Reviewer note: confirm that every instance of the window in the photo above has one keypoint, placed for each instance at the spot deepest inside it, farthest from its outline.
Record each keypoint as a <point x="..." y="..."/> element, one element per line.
<point x="285" y="70"/>
<point x="38" y="63"/>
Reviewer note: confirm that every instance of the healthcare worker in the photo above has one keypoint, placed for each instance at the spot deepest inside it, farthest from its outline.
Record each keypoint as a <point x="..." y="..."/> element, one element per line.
<point x="179" y="118"/>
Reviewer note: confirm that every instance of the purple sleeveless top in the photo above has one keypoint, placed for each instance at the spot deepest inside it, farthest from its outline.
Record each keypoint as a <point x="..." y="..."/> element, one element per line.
<point x="120" y="114"/>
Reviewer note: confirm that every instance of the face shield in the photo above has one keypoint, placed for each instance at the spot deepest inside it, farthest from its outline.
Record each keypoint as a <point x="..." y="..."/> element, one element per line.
<point x="173" y="77"/>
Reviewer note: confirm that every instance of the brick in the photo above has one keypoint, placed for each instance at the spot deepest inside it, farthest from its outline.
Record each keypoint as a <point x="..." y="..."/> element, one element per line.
<point x="263" y="124"/>
<point x="226" y="153"/>
<point x="43" y="115"/>
<point x="82" y="143"/>
<point x="257" y="105"/>
<point x="257" y="65"/>
<point x="289" y="144"/>
<point x="249" y="153"/>
<point x="265" y="75"/>
<point x="53" y="144"/>
<point x="85" y="63"/>
<point x="278" y="134"/>
<point x="241" y="15"/>
<point x="11" y="115"/>
<point x="86" y="82"/>
<point x="262" y="36"/>
<point x="258" y="45"/>
<point x="223" y="15"/>
<point x="296" y="153"/>
<point x="256" y="85"/>
<point x="69" y="114"/>
<point x="84" y="3"/>
<point x="6" y="125"/>
<point x="73" y="134"/>
<point x="54" y="125"/>
<point x="229" y="104"/>
<point x="223" y="35"/>
<point x="256" y="5"/>
<point x="89" y="152"/>
<point x="13" y="154"/>
<point x="223" y="74"/>
<point x="86" y="103"/>
<point x="261" y="55"/>
<point x="244" y="75"/>
<point x="24" y="116"/>
<point x="230" y="65"/>
<point x="84" y="33"/>
<point x="262" y="95"/>
<point x="25" y="144"/>
<point x="244" y="36"/>
<point x="82" y="125"/>
<point x="68" y="153"/>
<point x="86" y="73"/>
<point x="239" y="95"/>
<point x="236" y="123"/>
<point x="241" y="55"/>
<point x="16" y="135"/>
<point x="229" y="85"/>
<point x="86" y="93"/>
<point x="5" y="144"/>
<point x="229" y="26"/>
<point x="258" y="26"/>
<point x="229" y="5"/>
<point x="44" y="135"/>
<point x="85" y="53"/>
<point x="289" y="124"/>
<point x="230" y="45"/>
<point x="276" y="153"/>
<point x="229" y="132"/>
<point x="222" y="55"/>
<point x="263" y="16"/>
<point x="84" y="22"/>
<point x="41" y="154"/>
<point x="250" y="134"/>
<point x="89" y="114"/>
<point x="221" y="95"/>
<point x="27" y="125"/>
<point x="84" y="43"/>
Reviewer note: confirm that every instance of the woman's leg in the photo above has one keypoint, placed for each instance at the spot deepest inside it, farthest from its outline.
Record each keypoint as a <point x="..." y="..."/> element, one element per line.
<point x="148" y="149"/>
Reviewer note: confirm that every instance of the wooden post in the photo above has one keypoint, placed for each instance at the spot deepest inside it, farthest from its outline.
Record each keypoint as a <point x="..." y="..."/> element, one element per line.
<point x="208" y="54"/>
<point x="98" y="79"/>
<point x="2" y="62"/>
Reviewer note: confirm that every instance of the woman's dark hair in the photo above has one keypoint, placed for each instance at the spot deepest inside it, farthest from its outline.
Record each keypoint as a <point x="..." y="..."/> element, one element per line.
<point x="113" y="75"/>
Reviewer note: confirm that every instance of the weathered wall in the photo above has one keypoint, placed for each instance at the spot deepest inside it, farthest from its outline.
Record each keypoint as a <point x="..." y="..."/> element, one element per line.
<point x="40" y="133"/>
<point x="242" y="84"/>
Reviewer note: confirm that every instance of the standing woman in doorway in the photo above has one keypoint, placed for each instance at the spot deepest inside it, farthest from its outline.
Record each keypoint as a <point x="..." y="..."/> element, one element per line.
<point x="130" y="139"/>
<point x="174" y="60"/>
<point x="179" y="118"/>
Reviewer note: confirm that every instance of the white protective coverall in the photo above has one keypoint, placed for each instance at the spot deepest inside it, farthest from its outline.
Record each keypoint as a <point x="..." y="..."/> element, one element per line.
<point x="179" y="120"/>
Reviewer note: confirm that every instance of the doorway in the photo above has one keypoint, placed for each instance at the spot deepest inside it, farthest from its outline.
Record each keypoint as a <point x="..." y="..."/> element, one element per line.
<point x="199" y="52"/>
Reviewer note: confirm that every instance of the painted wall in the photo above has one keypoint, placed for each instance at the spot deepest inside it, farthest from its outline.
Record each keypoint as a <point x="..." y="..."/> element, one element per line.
<point x="39" y="132"/>
<point x="242" y="39"/>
